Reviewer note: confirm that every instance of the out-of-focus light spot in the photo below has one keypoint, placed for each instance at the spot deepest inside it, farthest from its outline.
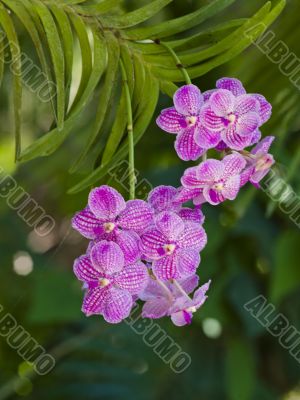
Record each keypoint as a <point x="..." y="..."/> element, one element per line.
<point x="22" y="263"/>
<point x="212" y="328"/>
<point x="293" y="395"/>
<point x="262" y="266"/>
<point x="23" y="387"/>
<point x="25" y="368"/>
<point x="40" y="244"/>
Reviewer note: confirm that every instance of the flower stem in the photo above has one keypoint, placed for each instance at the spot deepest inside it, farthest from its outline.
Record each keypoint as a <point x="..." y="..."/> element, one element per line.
<point x="177" y="61"/>
<point x="132" y="178"/>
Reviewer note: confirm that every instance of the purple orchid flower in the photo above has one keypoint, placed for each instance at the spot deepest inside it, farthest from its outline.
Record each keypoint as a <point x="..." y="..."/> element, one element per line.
<point x="219" y="180"/>
<point x="173" y="245"/>
<point x="110" y="284"/>
<point x="261" y="161"/>
<point x="166" y="198"/>
<point x="109" y="217"/>
<point x="169" y="301"/>
<point x="184" y="121"/>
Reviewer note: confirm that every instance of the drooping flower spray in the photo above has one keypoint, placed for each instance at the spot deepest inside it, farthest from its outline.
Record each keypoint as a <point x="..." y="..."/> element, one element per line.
<point x="150" y="250"/>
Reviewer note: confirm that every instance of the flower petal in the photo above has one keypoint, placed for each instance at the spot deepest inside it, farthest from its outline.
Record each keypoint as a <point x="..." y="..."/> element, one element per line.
<point x="107" y="257"/>
<point x="181" y="318"/>
<point x="161" y="198"/>
<point x="235" y="141"/>
<point x="265" y="109"/>
<point x="247" y="124"/>
<point x="152" y="291"/>
<point x="246" y="175"/>
<point x="133" y="278"/>
<point x="129" y="243"/>
<point x="118" y="305"/>
<point x="245" y="104"/>
<point x="192" y="215"/>
<point x="169" y="224"/>
<point x="199" y="295"/>
<point x="106" y="203"/>
<point x="233" y="165"/>
<point x="186" y="146"/>
<point x="188" y="262"/>
<point x="185" y="194"/>
<point x="87" y="224"/>
<point x="155" y="308"/>
<point x="188" y="100"/>
<point x="189" y="284"/>
<point x="222" y="102"/>
<point x="210" y="171"/>
<point x="170" y="120"/>
<point x="212" y="196"/>
<point x="84" y="269"/>
<point x="210" y="120"/>
<point x="152" y="242"/>
<point x="166" y="268"/>
<point x="263" y="146"/>
<point x="232" y="84"/>
<point x="232" y="187"/>
<point x="193" y="237"/>
<point x="137" y="216"/>
<point x="94" y="301"/>
<point x="255" y="137"/>
<point x="205" y="138"/>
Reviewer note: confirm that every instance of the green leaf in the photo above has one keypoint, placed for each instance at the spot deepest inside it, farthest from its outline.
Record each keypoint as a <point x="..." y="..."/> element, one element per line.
<point x="57" y="56"/>
<point x="113" y="49"/>
<point x="239" y="370"/>
<point x="48" y="143"/>
<point x="86" y="55"/>
<point x="137" y="16"/>
<point x="97" y="9"/>
<point x="16" y="67"/>
<point x="286" y="275"/>
<point x="180" y="24"/>
<point x="147" y="108"/>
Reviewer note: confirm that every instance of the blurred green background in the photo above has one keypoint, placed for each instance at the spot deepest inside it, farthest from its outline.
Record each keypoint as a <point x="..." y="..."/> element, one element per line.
<point x="252" y="250"/>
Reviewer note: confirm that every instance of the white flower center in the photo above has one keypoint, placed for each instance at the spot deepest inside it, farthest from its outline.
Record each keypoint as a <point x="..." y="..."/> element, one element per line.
<point x="191" y="309"/>
<point x="231" y="118"/>
<point x="191" y="120"/>
<point x="264" y="163"/>
<point x="109" y="227"/>
<point x="218" y="186"/>
<point x="103" y="282"/>
<point x="169" y="249"/>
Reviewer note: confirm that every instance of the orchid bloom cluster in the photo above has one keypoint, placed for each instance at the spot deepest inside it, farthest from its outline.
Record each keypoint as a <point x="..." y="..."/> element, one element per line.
<point x="150" y="250"/>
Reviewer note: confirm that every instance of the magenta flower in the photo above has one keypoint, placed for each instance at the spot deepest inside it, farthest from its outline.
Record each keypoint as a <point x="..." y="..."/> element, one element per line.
<point x="109" y="217"/>
<point x="160" y="302"/>
<point x="219" y="180"/>
<point x="173" y="245"/>
<point x="236" y="118"/>
<point x="262" y="161"/>
<point x="166" y="198"/>
<point x="110" y="284"/>
<point x="183" y="120"/>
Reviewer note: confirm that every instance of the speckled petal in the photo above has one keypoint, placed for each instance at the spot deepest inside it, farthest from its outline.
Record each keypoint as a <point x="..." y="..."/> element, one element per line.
<point x="245" y="104"/>
<point x="161" y="198"/>
<point x="210" y="171"/>
<point x="190" y="181"/>
<point x="133" y="278"/>
<point x="94" y="301"/>
<point x="263" y="146"/>
<point x="193" y="237"/>
<point x="188" y="262"/>
<point x="192" y="215"/>
<point x="210" y="120"/>
<point x="212" y="196"/>
<point x="205" y="138"/>
<point x="222" y="102"/>
<point x="84" y="269"/>
<point x="169" y="224"/>
<point x="233" y="165"/>
<point x="185" y="194"/>
<point x="232" y="187"/>
<point x="156" y="308"/>
<point x="152" y="243"/>
<point x="188" y="100"/>
<point x="107" y="257"/>
<point x="118" y="305"/>
<point x="129" y="243"/>
<point x="265" y="110"/>
<point x="106" y="203"/>
<point x="171" y="121"/>
<point x="87" y="224"/>
<point x="137" y="216"/>
<point x="235" y="141"/>
<point x="186" y="146"/>
<point x="247" y="124"/>
<point x="232" y="84"/>
<point x="189" y="284"/>
<point x="166" y="268"/>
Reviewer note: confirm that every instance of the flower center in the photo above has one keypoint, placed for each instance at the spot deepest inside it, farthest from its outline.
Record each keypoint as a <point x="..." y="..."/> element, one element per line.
<point x="191" y="120"/>
<point x="219" y="186"/>
<point x="109" y="227"/>
<point x="191" y="309"/>
<point x="264" y="163"/>
<point x="231" y="118"/>
<point x="169" y="248"/>
<point x="103" y="282"/>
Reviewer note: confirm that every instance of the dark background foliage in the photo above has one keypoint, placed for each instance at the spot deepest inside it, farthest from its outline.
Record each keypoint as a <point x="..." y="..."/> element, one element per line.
<point x="253" y="249"/>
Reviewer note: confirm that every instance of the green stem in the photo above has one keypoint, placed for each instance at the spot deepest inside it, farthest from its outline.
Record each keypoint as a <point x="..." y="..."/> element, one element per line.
<point x="177" y="61"/>
<point x="130" y="132"/>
